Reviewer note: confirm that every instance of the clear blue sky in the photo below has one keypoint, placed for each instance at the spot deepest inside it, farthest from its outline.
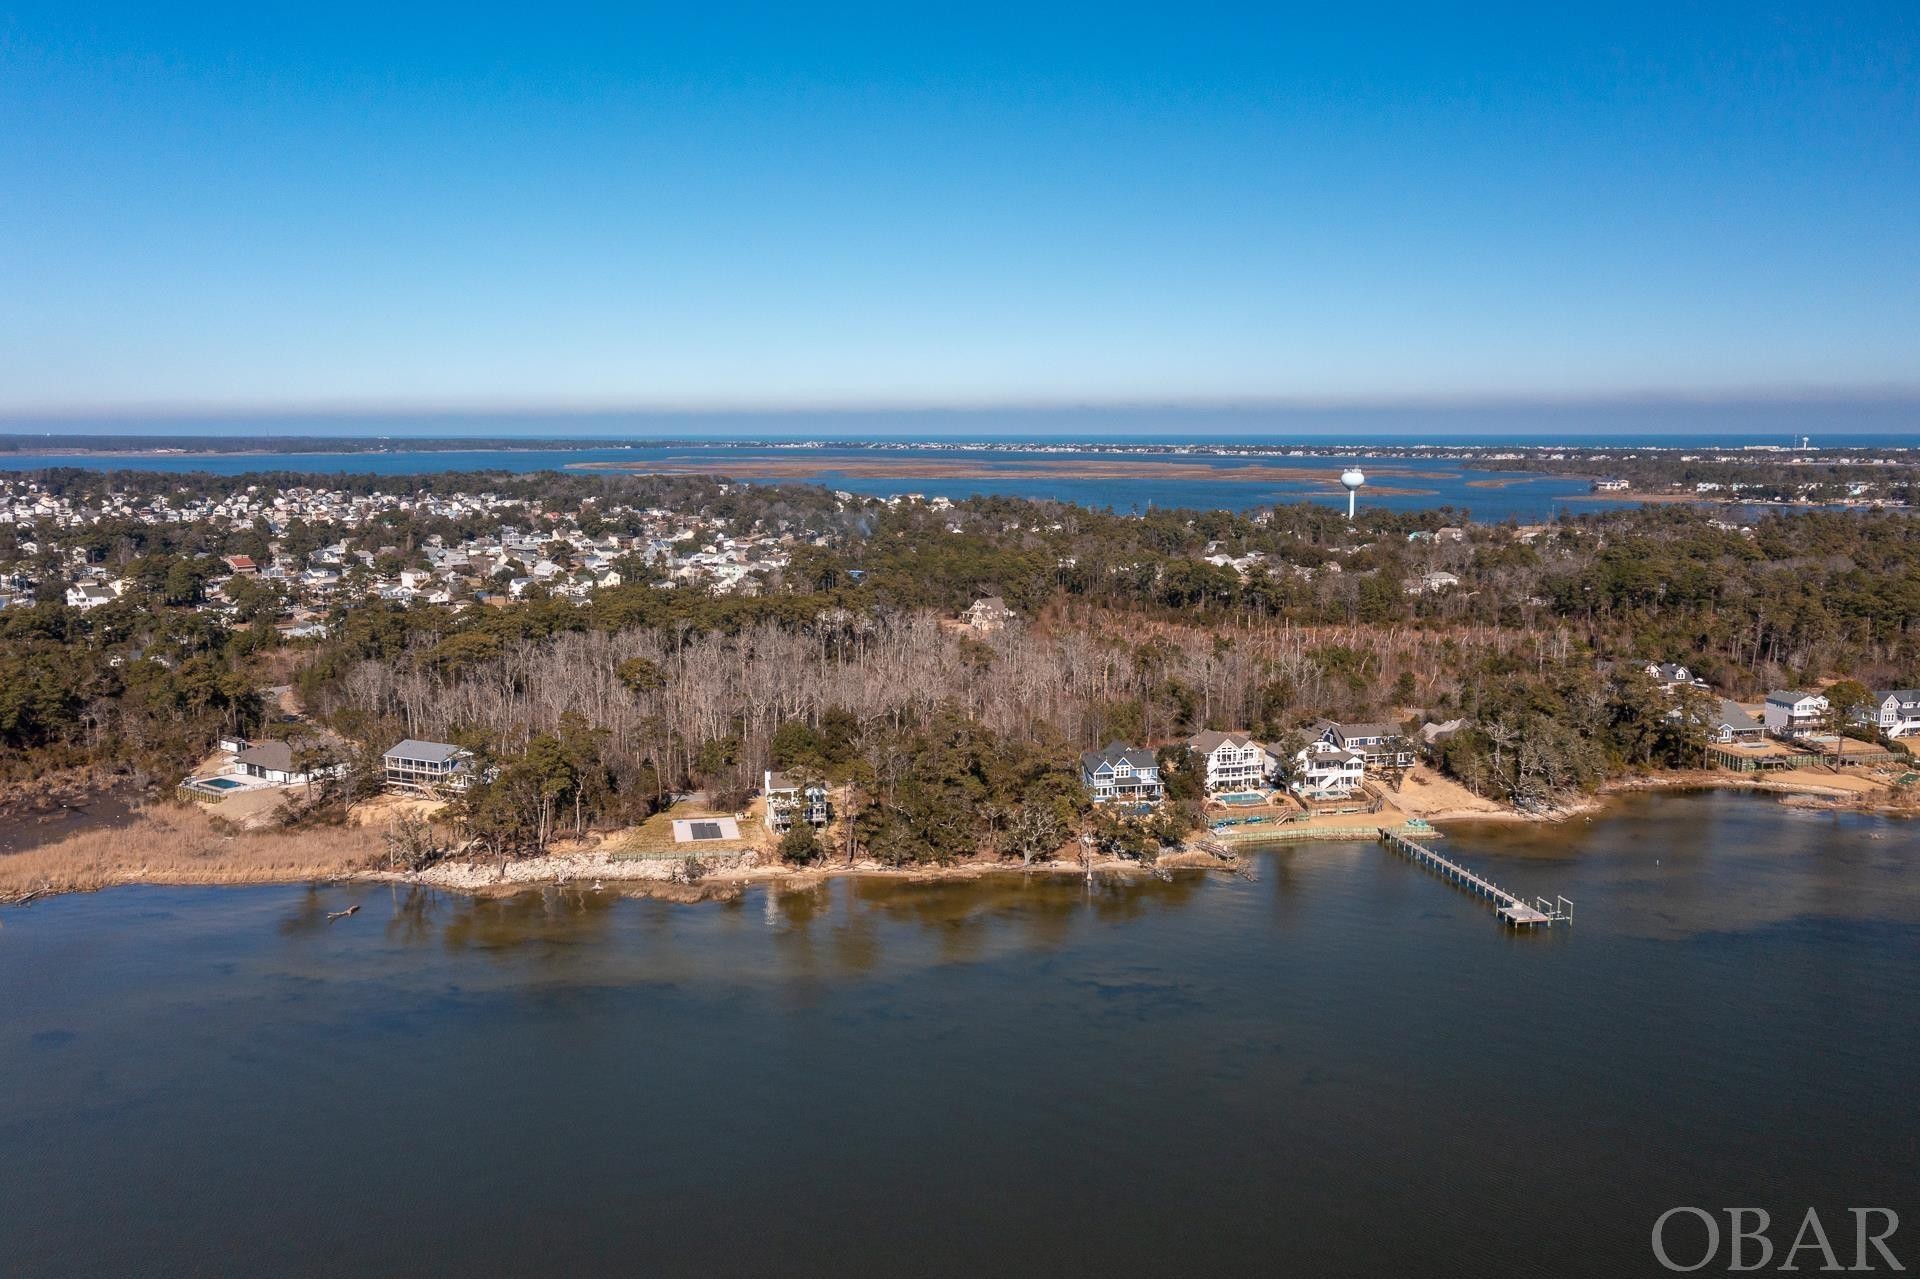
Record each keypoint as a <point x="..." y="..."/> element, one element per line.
<point x="205" y="205"/>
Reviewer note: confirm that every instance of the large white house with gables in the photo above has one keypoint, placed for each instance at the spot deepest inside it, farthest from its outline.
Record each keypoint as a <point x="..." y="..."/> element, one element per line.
<point x="1896" y="711"/>
<point x="1123" y="774"/>
<point x="1324" y="771"/>
<point x="1234" y="761"/>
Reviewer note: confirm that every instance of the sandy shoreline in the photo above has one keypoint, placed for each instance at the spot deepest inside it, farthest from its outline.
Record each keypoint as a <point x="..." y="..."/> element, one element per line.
<point x="179" y="846"/>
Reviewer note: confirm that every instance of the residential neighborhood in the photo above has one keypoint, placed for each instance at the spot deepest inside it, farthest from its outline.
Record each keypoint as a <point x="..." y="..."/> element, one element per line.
<point x="527" y="546"/>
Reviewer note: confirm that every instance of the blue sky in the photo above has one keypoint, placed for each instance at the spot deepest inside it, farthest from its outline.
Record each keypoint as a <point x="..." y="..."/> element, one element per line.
<point x="210" y="207"/>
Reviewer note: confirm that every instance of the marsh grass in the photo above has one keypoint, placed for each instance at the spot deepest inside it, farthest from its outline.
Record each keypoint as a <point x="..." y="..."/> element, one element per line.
<point x="182" y="844"/>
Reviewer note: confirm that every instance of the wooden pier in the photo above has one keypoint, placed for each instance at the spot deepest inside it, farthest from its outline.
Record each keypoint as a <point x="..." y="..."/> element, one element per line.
<point x="1513" y="911"/>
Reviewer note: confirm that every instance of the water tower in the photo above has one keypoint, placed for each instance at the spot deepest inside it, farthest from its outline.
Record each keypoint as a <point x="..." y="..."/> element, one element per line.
<point x="1352" y="478"/>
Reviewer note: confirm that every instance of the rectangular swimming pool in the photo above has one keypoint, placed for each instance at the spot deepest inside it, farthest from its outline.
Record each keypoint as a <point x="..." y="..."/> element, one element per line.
<point x="1242" y="799"/>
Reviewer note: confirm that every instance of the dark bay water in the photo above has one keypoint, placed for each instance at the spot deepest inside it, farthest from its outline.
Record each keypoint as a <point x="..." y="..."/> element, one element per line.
<point x="1342" y="1066"/>
<point x="1432" y="483"/>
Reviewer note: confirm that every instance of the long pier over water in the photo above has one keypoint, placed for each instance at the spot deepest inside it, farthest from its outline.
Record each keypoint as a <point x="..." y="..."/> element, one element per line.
<point x="1513" y="911"/>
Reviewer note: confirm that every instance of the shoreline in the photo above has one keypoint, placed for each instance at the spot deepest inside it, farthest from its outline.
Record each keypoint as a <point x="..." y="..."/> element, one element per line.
<point x="122" y="857"/>
<point x="177" y="845"/>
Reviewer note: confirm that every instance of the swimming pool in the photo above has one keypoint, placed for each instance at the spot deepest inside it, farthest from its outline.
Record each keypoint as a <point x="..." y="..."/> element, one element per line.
<point x="221" y="783"/>
<point x="1242" y="799"/>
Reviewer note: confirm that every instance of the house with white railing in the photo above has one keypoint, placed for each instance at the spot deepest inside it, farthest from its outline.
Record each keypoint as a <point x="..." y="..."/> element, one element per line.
<point x="1896" y="711"/>
<point x="1324" y="771"/>
<point x="1234" y="761"/>
<point x="1121" y="774"/>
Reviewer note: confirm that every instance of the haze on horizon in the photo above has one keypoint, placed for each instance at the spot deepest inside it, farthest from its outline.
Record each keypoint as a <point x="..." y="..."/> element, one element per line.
<point x="344" y="209"/>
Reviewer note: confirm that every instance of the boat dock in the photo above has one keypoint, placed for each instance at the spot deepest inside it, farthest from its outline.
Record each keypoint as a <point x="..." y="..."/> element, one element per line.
<point x="1514" y="911"/>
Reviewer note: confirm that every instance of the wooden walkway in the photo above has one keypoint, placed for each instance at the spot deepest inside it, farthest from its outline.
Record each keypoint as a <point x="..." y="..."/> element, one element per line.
<point x="1513" y="911"/>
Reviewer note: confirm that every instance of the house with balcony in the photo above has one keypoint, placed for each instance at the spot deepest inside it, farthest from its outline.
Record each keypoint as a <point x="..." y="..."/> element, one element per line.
<point x="789" y="801"/>
<point x="1324" y="771"/>
<point x="427" y="766"/>
<point x="1380" y="745"/>
<point x="1121" y="774"/>
<point x="1896" y="712"/>
<point x="1233" y="761"/>
<point x="1790" y="712"/>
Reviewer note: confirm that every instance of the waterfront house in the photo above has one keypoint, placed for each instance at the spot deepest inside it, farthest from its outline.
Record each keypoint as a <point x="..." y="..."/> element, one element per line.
<point x="417" y="765"/>
<point x="788" y="799"/>
<point x="1896" y="712"/>
<point x="1121" y="773"/>
<point x="1380" y="745"/>
<point x="1234" y="761"/>
<point x="288" y="763"/>
<point x="1324" y="771"/>
<point x="1611" y="486"/>
<point x="1792" y="711"/>
<point x="1731" y="724"/>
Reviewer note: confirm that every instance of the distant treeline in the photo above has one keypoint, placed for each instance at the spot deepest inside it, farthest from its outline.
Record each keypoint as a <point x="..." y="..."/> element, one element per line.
<point x="171" y="444"/>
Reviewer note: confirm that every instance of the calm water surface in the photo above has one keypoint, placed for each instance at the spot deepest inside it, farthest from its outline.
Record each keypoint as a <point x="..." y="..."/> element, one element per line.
<point x="1437" y="482"/>
<point x="1340" y="1066"/>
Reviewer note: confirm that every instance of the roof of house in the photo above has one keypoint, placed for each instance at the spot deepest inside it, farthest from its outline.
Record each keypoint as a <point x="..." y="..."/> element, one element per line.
<point x="1359" y="730"/>
<point x="1114" y="753"/>
<point x="1788" y="696"/>
<point x="1902" y="695"/>
<point x="277" y="755"/>
<point x="427" y="752"/>
<point x="1211" y="740"/>
<point x="1734" y="716"/>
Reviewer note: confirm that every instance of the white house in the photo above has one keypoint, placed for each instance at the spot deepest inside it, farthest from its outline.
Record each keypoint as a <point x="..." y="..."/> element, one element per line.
<point x="1896" y="711"/>
<point x="1790" y="711"/>
<point x="987" y="615"/>
<point x="1121" y="773"/>
<point x="1324" y="771"/>
<point x="1234" y="761"/>
<point x="86" y="595"/>
<point x="786" y="800"/>
<point x="277" y="761"/>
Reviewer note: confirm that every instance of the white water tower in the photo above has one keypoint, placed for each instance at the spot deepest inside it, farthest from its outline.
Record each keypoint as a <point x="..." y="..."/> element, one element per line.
<point x="1352" y="478"/>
